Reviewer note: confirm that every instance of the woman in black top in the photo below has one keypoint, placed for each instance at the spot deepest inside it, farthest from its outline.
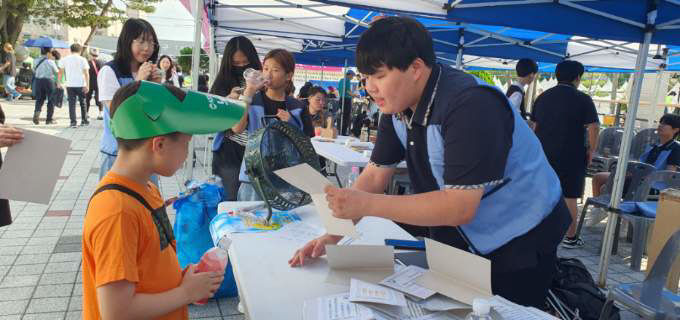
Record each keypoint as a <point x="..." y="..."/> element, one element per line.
<point x="228" y="148"/>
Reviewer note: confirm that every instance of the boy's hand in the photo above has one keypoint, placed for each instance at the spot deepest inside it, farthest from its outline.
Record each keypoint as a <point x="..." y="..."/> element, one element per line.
<point x="200" y="285"/>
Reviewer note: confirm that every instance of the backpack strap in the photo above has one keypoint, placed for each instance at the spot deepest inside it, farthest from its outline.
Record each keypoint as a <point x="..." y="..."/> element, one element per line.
<point x="122" y="189"/>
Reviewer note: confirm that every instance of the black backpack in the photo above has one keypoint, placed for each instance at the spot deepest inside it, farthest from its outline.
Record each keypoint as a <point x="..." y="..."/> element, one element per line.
<point x="574" y="289"/>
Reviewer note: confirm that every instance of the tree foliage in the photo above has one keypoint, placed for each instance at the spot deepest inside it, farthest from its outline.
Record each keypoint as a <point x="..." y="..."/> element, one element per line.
<point x="184" y="60"/>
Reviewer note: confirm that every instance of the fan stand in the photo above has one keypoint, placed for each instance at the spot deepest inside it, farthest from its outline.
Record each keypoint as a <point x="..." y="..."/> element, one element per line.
<point x="257" y="185"/>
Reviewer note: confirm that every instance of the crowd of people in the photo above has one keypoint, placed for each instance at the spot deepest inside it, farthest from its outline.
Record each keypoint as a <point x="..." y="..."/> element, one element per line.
<point x="487" y="175"/>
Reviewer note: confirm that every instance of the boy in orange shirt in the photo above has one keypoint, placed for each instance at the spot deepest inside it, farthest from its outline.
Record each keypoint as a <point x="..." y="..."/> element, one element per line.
<point x="130" y="266"/>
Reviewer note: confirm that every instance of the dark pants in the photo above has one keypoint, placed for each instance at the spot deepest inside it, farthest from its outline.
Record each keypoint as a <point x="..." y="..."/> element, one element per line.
<point x="42" y="90"/>
<point x="5" y="213"/>
<point x="522" y="270"/>
<point x="73" y="93"/>
<point x="93" y="91"/>
<point x="226" y="164"/>
<point x="346" y="119"/>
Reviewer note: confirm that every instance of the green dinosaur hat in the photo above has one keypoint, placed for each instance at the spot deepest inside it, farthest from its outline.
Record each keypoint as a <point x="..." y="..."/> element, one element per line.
<point x="155" y="111"/>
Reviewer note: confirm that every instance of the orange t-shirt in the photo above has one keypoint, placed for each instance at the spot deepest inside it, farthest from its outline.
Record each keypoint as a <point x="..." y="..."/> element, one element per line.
<point x="121" y="242"/>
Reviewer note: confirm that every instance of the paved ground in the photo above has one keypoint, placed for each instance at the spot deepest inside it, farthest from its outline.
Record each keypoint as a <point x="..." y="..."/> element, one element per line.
<point x="40" y="253"/>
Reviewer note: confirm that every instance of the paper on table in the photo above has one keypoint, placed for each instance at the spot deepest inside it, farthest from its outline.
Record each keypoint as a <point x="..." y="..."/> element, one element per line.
<point x="361" y="291"/>
<point x="411" y="311"/>
<point x="455" y="273"/>
<point x="368" y="263"/>
<point x="31" y="168"/>
<point x="298" y="232"/>
<point x="334" y="307"/>
<point x="440" y="302"/>
<point x="404" y="280"/>
<point x="305" y="178"/>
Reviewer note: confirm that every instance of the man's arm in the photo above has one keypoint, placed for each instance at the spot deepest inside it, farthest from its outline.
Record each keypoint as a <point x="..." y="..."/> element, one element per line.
<point x="86" y="75"/>
<point x="593" y="133"/>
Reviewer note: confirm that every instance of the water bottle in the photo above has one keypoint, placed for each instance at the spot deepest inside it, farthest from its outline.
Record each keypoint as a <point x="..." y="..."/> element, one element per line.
<point x="255" y="76"/>
<point x="353" y="176"/>
<point x="481" y="310"/>
<point x="213" y="260"/>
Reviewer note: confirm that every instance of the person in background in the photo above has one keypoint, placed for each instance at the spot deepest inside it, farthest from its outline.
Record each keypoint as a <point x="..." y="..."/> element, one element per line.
<point x="180" y="75"/>
<point x="526" y="73"/>
<point x="136" y="53"/>
<point x="95" y="65"/>
<point x="315" y="115"/>
<point x="203" y="80"/>
<point x="9" y="72"/>
<point x="46" y="72"/>
<point x="77" y="74"/>
<point x="271" y="104"/>
<point x="304" y="92"/>
<point x="345" y="96"/>
<point x="664" y="155"/>
<point x="57" y="95"/>
<point x="563" y="117"/>
<point x="169" y="74"/>
<point x="228" y="147"/>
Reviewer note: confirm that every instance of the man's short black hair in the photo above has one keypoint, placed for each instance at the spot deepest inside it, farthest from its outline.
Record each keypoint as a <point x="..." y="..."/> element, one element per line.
<point x="525" y="67"/>
<point x="394" y="42"/>
<point x="127" y="91"/>
<point x="75" y="47"/>
<point x="45" y="50"/>
<point x="569" y="70"/>
<point x="672" y="120"/>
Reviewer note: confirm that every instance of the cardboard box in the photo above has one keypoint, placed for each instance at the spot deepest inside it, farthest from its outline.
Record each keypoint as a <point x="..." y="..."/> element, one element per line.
<point x="667" y="222"/>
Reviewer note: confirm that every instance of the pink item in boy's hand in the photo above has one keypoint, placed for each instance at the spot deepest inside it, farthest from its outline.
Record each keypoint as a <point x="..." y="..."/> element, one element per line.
<point x="213" y="260"/>
<point x="317" y="131"/>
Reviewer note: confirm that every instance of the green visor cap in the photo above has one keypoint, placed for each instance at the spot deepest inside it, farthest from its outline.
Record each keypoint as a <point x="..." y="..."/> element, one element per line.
<point x="155" y="111"/>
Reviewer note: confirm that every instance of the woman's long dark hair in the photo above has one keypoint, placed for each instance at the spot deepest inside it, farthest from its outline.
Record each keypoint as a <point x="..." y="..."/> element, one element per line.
<point x="225" y="81"/>
<point x="132" y="29"/>
<point x="168" y="73"/>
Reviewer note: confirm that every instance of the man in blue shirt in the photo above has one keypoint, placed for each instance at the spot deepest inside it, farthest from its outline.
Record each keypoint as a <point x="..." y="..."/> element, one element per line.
<point x="480" y="179"/>
<point x="345" y="98"/>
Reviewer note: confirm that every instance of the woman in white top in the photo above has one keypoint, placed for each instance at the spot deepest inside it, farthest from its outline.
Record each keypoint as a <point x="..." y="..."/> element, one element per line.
<point x="135" y="57"/>
<point x="169" y="75"/>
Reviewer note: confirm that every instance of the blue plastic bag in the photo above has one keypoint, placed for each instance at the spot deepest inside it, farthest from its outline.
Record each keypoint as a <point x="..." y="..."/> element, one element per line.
<point x="194" y="211"/>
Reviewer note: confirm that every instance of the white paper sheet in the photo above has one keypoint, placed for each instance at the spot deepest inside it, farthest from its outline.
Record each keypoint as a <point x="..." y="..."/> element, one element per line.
<point x="305" y="178"/>
<point x="404" y="280"/>
<point x="440" y="302"/>
<point x="31" y="168"/>
<point x="335" y="307"/>
<point x="512" y="311"/>
<point x="298" y="232"/>
<point x="361" y="291"/>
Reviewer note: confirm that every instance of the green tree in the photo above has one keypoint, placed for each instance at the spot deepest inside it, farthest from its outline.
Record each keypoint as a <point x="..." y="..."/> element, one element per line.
<point x="484" y="75"/>
<point x="184" y="60"/>
<point x="98" y="14"/>
<point x="14" y="13"/>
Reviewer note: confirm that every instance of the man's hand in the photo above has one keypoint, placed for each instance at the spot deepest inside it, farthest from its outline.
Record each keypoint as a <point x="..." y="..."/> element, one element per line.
<point x="313" y="249"/>
<point x="347" y="203"/>
<point x="10" y="136"/>
<point x="86" y="89"/>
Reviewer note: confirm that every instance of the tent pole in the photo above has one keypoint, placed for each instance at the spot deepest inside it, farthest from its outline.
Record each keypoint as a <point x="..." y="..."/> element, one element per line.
<point x="342" y="99"/>
<point x="459" y="57"/>
<point x="195" y="71"/>
<point x="619" y="178"/>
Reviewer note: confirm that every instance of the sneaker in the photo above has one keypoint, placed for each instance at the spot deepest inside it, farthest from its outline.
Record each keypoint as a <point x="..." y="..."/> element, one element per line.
<point x="100" y="118"/>
<point x="74" y="125"/>
<point x="50" y="122"/>
<point x="85" y="123"/>
<point x="570" y="243"/>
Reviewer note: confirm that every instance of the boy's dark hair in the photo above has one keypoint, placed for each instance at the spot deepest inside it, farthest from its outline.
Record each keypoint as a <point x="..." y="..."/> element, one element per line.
<point x="672" y="120"/>
<point x="45" y="50"/>
<point x="525" y="67"/>
<point x="56" y="54"/>
<point x="569" y="70"/>
<point x="394" y="42"/>
<point x="132" y="29"/>
<point x="75" y="48"/>
<point x="127" y="91"/>
<point x="314" y="90"/>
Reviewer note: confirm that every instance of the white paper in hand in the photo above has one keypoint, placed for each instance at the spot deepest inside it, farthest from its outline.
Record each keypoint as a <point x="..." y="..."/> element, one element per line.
<point x="31" y="168"/>
<point x="305" y="178"/>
